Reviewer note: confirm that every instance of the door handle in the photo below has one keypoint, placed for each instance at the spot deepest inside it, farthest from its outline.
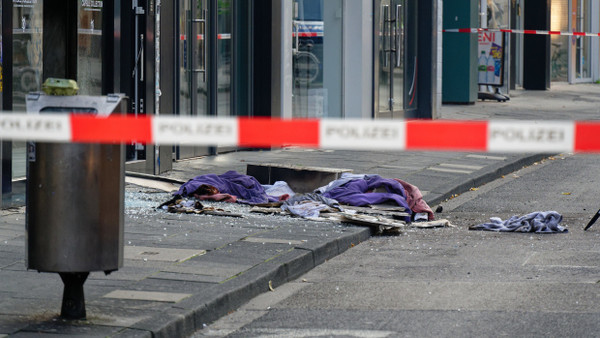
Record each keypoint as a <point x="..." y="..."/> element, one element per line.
<point x="205" y="57"/>
<point x="203" y="52"/>
<point x="141" y="57"/>
<point x="386" y="21"/>
<point x="295" y="37"/>
<point x="139" y="60"/>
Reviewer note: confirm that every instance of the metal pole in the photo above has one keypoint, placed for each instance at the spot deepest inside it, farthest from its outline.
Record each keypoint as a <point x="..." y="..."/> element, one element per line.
<point x="73" y="302"/>
<point x="157" y="92"/>
<point x="135" y="66"/>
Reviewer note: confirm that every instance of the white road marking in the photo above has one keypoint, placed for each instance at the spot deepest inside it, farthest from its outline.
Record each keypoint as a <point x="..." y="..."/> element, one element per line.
<point x="168" y="297"/>
<point x="462" y="166"/>
<point x="301" y="333"/>
<point x="487" y="157"/>
<point x="447" y="170"/>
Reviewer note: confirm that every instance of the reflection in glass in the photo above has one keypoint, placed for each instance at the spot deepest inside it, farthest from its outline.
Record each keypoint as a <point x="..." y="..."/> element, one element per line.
<point x="192" y="55"/>
<point x="89" y="47"/>
<point x="224" y="46"/>
<point x="411" y="45"/>
<point x="27" y="50"/>
<point x="317" y="58"/>
<point x="27" y="65"/>
<point x="583" y="54"/>
<point x="559" y="55"/>
<point x="498" y="13"/>
<point x="390" y="35"/>
<point x="396" y="57"/>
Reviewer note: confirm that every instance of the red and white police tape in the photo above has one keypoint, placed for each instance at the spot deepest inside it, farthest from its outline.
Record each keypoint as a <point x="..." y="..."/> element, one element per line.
<point x="399" y="135"/>
<point x="517" y="31"/>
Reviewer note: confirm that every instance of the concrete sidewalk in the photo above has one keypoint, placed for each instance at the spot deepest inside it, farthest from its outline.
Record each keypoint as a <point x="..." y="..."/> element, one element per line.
<point x="184" y="271"/>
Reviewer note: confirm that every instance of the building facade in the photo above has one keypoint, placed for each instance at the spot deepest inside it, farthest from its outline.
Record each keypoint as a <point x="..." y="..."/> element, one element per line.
<point x="278" y="58"/>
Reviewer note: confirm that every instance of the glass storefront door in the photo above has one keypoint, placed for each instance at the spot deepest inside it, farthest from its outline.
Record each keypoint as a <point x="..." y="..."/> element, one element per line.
<point x="559" y="50"/>
<point x="27" y="65"/>
<point x="204" y="56"/>
<point x="317" y="58"/>
<point x="224" y="57"/>
<point x="193" y="61"/>
<point x="582" y="44"/>
<point x="89" y="47"/>
<point x="395" y="46"/>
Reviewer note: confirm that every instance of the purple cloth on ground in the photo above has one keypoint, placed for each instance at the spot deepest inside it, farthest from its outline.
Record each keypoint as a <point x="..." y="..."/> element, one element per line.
<point x="245" y="188"/>
<point x="539" y="222"/>
<point x="356" y="193"/>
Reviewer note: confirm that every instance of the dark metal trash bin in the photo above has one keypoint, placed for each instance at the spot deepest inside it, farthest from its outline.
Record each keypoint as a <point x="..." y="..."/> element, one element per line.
<point x="75" y="197"/>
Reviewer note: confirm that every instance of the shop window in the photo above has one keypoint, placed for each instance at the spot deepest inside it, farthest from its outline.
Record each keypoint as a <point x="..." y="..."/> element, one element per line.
<point x="89" y="47"/>
<point x="27" y="59"/>
<point x="559" y="59"/>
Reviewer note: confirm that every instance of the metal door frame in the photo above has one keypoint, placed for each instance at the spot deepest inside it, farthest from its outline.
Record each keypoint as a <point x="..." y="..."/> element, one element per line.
<point x="193" y="22"/>
<point x="394" y="46"/>
<point x="573" y="60"/>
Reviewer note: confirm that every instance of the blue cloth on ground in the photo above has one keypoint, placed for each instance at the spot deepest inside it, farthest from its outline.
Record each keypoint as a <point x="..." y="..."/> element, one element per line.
<point x="345" y="178"/>
<point x="538" y="222"/>
<point x="278" y="189"/>
<point x="357" y="192"/>
<point x="246" y="188"/>
<point x="309" y="205"/>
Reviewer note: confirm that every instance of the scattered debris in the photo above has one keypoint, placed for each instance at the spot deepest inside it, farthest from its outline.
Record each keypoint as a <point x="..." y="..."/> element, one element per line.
<point x="380" y="224"/>
<point x="269" y="210"/>
<point x="440" y="223"/>
<point x="179" y="205"/>
<point x="391" y="211"/>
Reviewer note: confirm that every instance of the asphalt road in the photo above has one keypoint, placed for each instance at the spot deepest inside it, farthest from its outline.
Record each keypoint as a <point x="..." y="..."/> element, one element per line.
<point x="454" y="282"/>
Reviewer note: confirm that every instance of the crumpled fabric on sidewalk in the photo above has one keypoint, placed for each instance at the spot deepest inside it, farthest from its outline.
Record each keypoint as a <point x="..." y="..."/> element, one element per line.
<point x="357" y="192"/>
<point x="245" y="188"/>
<point x="415" y="200"/>
<point x="345" y="178"/>
<point x="538" y="222"/>
<point x="309" y="205"/>
<point x="279" y="189"/>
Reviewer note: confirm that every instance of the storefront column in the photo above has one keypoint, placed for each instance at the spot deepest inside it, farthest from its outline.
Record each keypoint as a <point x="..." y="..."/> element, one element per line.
<point x="460" y="53"/>
<point x="282" y="68"/>
<point x="536" y="48"/>
<point x="595" y="42"/>
<point x="358" y="60"/>
<point x="6" y="104"/>
<point x="427" y="84"/>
